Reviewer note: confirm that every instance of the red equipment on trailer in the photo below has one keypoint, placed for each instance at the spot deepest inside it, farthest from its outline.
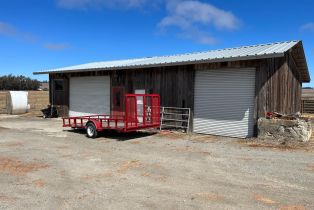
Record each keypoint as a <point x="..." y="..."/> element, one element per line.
<point x="141" y="111"/>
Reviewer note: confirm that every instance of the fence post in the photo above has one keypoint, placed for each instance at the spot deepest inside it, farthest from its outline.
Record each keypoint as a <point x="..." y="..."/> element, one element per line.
<point x="188" y="124"/>
<point x="162" y="117"/>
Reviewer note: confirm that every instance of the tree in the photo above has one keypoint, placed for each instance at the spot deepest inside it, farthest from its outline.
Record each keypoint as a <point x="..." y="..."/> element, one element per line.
<point x="11" y="82"/>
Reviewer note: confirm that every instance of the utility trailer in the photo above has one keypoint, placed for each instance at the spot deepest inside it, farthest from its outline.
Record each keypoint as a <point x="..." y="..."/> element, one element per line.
<point x="141" y="111"/>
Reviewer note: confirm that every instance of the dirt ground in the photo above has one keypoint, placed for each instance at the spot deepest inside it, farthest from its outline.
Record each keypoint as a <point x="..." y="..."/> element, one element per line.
<point x="43" y="166"/>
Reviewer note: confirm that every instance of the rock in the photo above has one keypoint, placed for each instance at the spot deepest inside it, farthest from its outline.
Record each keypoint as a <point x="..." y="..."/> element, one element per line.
<point x="299" y="130"/>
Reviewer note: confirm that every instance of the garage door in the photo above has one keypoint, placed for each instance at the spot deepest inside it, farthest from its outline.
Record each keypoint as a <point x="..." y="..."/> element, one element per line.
<point x="224" y="102"/>
<point x="89" y="95"/>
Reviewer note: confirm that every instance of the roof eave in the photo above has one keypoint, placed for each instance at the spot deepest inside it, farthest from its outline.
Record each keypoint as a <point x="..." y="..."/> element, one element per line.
<point x="301" y="62"/>
<point x="254" y="57"/>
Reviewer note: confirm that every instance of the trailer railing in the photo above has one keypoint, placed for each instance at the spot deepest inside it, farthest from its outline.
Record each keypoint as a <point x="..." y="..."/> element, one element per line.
<point x="141" y="111"/>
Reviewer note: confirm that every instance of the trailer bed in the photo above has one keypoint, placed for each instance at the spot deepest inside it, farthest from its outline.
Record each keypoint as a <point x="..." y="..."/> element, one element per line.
<point x="141" y="111"/>
<point x="106" y="122"/>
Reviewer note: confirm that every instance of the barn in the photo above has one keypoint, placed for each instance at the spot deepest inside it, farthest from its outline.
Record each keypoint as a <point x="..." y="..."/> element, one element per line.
<point x="227" y="90"/>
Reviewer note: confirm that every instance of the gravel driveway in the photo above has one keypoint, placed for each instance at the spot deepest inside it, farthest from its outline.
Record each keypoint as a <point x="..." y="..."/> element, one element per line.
<point x="44" y="167"/>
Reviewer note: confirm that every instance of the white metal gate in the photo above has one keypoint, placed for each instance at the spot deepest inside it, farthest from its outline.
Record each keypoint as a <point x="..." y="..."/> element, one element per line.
<point x="89" y="95"/>
<point x="224" y="102"/>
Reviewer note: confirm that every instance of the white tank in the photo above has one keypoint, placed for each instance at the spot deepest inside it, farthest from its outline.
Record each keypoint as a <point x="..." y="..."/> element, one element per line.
<point x="17" y="102"/>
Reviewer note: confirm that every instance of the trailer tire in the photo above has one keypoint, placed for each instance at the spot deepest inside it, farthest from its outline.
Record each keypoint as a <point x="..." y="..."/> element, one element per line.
<point x="91" y="131"/>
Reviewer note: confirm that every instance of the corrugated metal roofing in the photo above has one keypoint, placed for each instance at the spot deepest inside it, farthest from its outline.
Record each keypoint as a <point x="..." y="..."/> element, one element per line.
<point x="229" y="54"/>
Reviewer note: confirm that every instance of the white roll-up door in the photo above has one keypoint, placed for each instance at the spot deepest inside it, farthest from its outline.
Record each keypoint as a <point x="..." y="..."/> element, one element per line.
<point x="224" y="102"/>
<point x="89" y="95"/>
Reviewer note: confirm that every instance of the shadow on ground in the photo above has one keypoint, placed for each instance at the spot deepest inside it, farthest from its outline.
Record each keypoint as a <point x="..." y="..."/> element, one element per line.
<point x="118" y="136"/>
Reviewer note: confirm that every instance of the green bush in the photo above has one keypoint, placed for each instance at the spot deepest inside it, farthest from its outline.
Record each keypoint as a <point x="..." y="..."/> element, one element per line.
<point x="11" y="82"/>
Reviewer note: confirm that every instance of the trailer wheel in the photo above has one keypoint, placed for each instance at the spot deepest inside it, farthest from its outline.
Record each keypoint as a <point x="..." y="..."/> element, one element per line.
<point x="91" y="130"/>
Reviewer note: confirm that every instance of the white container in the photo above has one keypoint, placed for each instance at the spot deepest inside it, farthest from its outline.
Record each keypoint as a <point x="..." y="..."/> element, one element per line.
<point x="17" y="102"/>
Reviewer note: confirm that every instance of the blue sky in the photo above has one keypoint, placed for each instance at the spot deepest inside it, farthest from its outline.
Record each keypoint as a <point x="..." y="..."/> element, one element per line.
<point x="44" y="34"/>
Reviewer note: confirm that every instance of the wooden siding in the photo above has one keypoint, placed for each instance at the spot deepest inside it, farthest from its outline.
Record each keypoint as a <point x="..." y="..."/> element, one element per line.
<point x="174" y="84"/>
<point x="278" y="86"/>
<point x="60" y="99"/>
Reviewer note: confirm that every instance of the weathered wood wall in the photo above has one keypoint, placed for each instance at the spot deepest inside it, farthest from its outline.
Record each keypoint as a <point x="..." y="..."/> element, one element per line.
<point x="174" y="84"/>
<point x="278" y="86"/>
<point x="60" y="99"/>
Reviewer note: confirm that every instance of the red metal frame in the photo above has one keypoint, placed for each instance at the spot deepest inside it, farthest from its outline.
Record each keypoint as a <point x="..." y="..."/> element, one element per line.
<point x="131" y="120"/>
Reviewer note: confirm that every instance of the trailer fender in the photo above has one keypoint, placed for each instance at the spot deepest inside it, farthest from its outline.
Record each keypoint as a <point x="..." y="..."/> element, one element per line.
<point x="96" y="123"/>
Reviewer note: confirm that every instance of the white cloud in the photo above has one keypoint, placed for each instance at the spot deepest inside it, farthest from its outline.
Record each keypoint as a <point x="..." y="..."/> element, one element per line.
<point x="194" y="19"/>
<point x="96" y="4"/>
<point x="185" y="13"/>
<point x="7" y="29"/>
<point x="308" y="27"/>
<point x="56" y="46"/>
<point x="197" y="35"/>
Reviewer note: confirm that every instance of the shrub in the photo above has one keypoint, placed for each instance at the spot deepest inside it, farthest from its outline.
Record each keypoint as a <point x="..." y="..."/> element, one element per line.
<point x="11" y="82"/>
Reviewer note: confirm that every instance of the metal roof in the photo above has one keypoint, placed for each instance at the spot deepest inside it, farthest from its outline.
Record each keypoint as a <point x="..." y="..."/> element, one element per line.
<point x="229" y="54"/>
